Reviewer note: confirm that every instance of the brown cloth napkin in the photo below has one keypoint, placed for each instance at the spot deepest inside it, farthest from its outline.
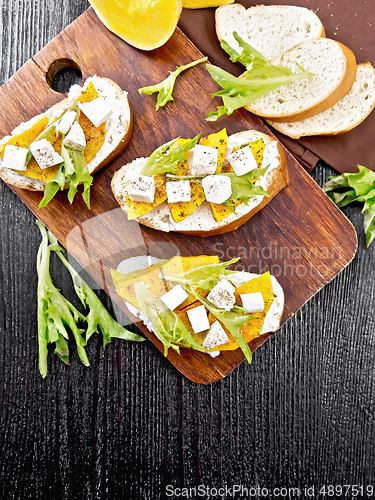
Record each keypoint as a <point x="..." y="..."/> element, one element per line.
<point x="351" y="22"/>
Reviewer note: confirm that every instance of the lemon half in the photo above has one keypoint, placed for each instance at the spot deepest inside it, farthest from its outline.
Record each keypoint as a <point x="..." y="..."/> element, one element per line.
<point x="145" y="24"/>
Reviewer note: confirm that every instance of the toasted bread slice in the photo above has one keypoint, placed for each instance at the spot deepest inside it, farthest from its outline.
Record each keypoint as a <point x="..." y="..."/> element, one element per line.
<point x="201" y="222"/>
<point x="334" y="68"/>
<point x="344" y="115"/>
<point x="270" y="29"/>
<point x="118" y="130"/>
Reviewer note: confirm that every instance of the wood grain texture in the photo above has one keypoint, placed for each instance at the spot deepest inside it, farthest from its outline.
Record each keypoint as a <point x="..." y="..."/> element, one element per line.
<point x="287" y="237"/>
<point x="129" y="425"/>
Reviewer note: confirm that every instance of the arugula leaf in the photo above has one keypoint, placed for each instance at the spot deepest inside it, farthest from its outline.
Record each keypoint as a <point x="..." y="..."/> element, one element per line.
<point x="243" y="187"/>
<point x="369" y="220"/>
<point x="166" y="158"/>
<point x="165" y="88"/>
<point x="168" y="326"/>
<point x="75" y="160"/>
<point x="260" y="78"/>
<point x="73" y="170"/>
<point x="359" y="187"/>
<point x="98" y="315"/>
<point x="54" y="312"/>
<point x="53" y="186"/>
<point x="203" y="277"/>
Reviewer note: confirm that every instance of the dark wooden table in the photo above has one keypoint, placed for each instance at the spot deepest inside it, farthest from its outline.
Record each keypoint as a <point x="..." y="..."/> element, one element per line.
<point x="130" y="426"/>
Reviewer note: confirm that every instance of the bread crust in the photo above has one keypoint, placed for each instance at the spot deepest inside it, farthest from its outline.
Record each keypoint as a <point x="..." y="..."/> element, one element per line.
<point x="326" y="102"/>
<point x="238" y="10"/>
<point x="279" y="181"/>
<point x="296" y="133"/>
<point x="21" y="181"/>
<point x="336" y="96"/>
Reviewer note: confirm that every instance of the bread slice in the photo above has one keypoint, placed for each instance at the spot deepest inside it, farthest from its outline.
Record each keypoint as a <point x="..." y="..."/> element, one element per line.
<point x="201" y="221"/>
<point x="125" y="290"/>
<point x="344" y="115"/>
<point x="270" y="29"/>
<point x="334" y="68"/>
<point x="118" y="129"/>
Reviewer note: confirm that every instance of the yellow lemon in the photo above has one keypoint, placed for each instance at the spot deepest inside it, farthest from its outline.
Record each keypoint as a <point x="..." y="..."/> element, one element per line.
<point x="145" y="24"/>
<point x="201" y="4"/>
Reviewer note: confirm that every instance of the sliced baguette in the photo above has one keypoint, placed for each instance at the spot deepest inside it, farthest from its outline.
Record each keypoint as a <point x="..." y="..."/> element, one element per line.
<point x="201" y="221"/>
<point x="118" y="130"/>
<point x="343" y="116"/>
<point x="270" y="29"/>
<point x="334" y="68"/>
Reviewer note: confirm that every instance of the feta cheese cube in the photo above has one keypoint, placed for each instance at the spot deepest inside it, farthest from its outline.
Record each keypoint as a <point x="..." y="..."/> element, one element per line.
<point x="76" y="137"/>
<point x="252" y="302"/>
<point x="178" y="191"/>
<point x="198" y="319"/>
<point x="202" y="160"/>
<point x="174" y="297"/>
<point x="142" y="188"/>
<point x="15" y="157"/>
<point x="66" y="122"/>
<point x="222" y="295"/>
<point x="215" y="336"/>
<point x="97" y="111"/>
<point x="213" y="354"/>
<point x="44" y="154"/>
<point x="242" y="161"/>
<point x="217" y="188"/>
<point x="240" y="278"/>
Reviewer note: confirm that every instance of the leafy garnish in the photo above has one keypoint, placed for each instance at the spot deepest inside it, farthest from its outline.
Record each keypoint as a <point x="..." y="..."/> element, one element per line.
<point x="243" y="187"/>
<point x="80" y="174"/>
<point x="260" y="78"/>
<point x="73" y="170"/>
<point x="53" y="186"/>
<point x="203" y="277"/>
<point x="55" y="312"/>
<point x="167" y="325"/>
<point x="98" y="315"/>
<point x="350" y="187"/>
<point x="167" y="157"/>
<point x="165" y="88"/>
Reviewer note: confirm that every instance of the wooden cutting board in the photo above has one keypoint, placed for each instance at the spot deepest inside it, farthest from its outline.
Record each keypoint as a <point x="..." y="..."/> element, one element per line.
<point x="301" y="236"/>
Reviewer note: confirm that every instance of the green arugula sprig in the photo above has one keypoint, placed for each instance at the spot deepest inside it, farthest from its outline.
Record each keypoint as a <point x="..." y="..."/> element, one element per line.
<point x="260" y="78"/>
<point x="165" y="88"/>
<point x="347" y="188"/>
<point x="166" y="158"/>
<point x="167" y="325"/>
<point x="56" y="313"/>
<point x="243" y="186"/>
